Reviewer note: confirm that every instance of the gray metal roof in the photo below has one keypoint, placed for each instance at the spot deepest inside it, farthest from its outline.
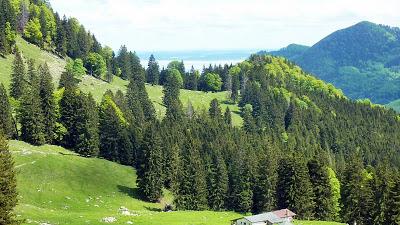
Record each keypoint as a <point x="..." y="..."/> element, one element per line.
<point x="269" y="216"/>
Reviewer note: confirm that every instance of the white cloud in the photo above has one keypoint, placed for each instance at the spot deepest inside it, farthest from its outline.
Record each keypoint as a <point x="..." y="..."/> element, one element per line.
<point x="222" y="24"/>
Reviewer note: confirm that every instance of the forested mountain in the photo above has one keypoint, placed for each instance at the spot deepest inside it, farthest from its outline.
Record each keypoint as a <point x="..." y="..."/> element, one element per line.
<point x="303" y="144"/>
<point x="362" y="60"/>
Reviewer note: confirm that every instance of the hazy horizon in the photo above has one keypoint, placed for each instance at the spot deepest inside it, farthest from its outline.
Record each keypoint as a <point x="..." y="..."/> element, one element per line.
<point x="179" y="25"/>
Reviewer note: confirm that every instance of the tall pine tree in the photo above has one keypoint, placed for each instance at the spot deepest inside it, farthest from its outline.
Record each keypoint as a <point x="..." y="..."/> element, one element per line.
<point x="17" y="77"/>
<point x="7" y="126"/>
<point x="150" y="171"/>
<point x="48" y="103"/>
<point x="30" y="111"/>
<point x="8" y="185"/>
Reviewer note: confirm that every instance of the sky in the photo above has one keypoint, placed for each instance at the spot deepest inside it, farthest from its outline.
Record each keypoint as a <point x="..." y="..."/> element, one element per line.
<point x="180" y="25"/>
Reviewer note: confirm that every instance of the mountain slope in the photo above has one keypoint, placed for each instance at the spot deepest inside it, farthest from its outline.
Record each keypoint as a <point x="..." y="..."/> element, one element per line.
<point x="200" y="100"/>
<point x="58" y="187"/>
<point x="362" y="60"/>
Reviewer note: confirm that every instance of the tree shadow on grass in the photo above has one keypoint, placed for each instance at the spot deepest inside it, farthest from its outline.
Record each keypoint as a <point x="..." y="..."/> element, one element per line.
<point x="131" y="192"/>
<point x="152" y="209"/>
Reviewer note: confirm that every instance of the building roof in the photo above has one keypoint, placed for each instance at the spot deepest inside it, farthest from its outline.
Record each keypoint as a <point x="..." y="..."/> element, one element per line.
<point x="269" y="216"/>
<point x="284" y="213"/>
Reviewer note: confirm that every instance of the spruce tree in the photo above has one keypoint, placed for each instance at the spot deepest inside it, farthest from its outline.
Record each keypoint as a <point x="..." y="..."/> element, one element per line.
<point x="115" y="144"/>
<point x="8" y="185"/>
<point x="215" y="110"/>
<point x="171" y="96"/>
<point x="228" y="117"/>
<point x="354" y="190"/>
<point x="6" y="121"/>
<point x="153" y="71"/>
<point x="217" y="181"/>
<point x="192" y="188"/>
<point x="265" y="183"/>
<point x="17" y="77"/>
<point x="393" y="214"/>
<point x="324" y="203"/>
<point x="294" y="189"/>
<point x="79" y="117"/>
<point x="48" y="103"/>
<point x="150" y="171"/>
<point x="30" y="112"/>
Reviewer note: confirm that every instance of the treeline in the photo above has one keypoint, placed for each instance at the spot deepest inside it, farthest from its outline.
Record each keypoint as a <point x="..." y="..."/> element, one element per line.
<point x="303" y="145"/>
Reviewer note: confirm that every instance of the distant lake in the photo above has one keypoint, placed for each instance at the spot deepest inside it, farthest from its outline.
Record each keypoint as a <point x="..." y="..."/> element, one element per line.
<point x="198" y="59"/>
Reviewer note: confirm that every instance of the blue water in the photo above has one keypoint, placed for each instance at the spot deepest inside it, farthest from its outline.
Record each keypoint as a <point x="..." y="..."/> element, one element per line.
<point x="198" y="58"/>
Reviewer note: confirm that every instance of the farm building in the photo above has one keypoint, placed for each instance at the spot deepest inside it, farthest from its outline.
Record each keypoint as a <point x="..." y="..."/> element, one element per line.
<point x="279" y="217"/>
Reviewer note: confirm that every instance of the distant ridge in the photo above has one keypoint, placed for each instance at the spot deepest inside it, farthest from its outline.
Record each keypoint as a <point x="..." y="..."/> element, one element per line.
<point x="363" y="60"/>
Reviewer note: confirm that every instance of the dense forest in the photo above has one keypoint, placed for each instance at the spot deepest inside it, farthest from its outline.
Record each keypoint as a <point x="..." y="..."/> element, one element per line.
<point x="362" y="60"/>
<point x="303" y="144"/>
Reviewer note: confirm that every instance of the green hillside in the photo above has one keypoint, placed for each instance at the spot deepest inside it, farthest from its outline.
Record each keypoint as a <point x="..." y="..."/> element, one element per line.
<point x="200" y="100"/>
<point x="58" y="187"/>
<point x="362" y="60"/>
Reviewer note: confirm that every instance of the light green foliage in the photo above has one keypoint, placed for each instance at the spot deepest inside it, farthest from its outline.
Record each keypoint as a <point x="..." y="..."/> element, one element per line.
<point x="77" y="68"/>
<point x="32" y="31"/>
<point x="10" y="35"/>
<point x="234" y="71"/>
<point x="109" y="102"/>
<point x="50" y="23"/>
<point x="96" y="65"/>
<point x="335" y="187"/>
<point x="213" y="82"/>
<point x="175" y="72"/>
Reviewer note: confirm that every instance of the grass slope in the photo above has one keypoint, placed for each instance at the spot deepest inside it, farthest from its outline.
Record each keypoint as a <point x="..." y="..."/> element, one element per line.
<point x="58" y="187"/>
<point x="200" y="100"/>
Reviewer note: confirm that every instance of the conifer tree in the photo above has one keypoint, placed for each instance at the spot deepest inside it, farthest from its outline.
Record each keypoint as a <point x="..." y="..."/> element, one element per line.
<point x="324" y="203"/>
<point x="215" y="110"/>
<point x="48" y="104"/>
<point x="17" y="77"/>
<point x="171" y="96"/>
<point x="353" y="191"/>
<point x="8" y="185"/>
<point x="382" y="186"/>
<point x="192" y="188"/>
<point x="228" y="117"/>
<point x="150" y="171"/>
<point x="124" y="63"/>
<point x="294" y="189"/>
<point x="217" y="181"/>
<point x="393" y="214"/>
<point x="6" y="120"/>
<point x="114" y="140"/>
<point x="153" y="71"/>
<point x="30" y="112"/>
<point x="265" y="184"/>
<point x="191" y="83"/>
<point x="78" y="116"/>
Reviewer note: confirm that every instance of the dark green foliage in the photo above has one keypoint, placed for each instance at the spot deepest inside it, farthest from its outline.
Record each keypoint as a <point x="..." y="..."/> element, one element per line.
<point x="192" y="188"/>
<point x="61" y="37"/>
<point x="30" y="113"/>
<point x="153" y="71"/>
<point x="393" y="214"/>
<point x="115" y="144"/>
<point x="217" y="180"/>
<point x="215" y="110"/>
<point x="192" y="80"/>
<point x="48" y="103"/>
<point x="356" y="193"/>
<point x="67" y="79"/>
<point x="294" y="189"/>
<point x="228" y="117"/>
<point x="79" y="118"/>
<point x="8" y="185"/>
<point x="17" y="77"/>
<point x="171" y="96"/>
<point x="265" y="185"/>
<point x="361" y="60"/>
<point x="7" y="126"/>
<point x="150" y="170"/>
<point x="324" y="204"/>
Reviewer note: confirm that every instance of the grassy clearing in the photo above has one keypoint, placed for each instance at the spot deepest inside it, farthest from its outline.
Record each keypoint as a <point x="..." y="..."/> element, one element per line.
<point x="58" y="187"/>
<point x="30" y="51"/>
